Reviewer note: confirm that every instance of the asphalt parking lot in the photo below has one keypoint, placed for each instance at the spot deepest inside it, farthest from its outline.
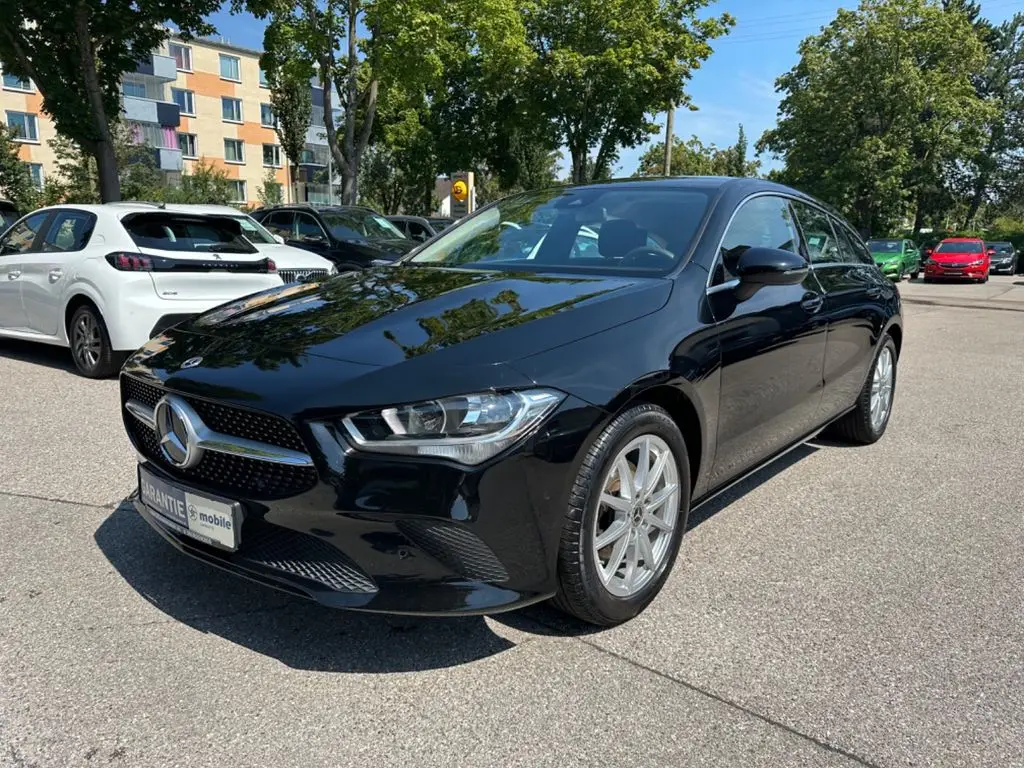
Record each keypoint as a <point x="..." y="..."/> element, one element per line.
<point x="847" y="606"/>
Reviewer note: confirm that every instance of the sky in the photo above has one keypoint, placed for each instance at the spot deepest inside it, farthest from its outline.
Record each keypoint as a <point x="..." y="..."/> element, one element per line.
<point x="735" y="85"/>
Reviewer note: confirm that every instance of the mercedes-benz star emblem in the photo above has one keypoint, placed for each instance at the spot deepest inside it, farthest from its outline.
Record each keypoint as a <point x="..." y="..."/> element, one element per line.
<point x="176" y="425"/>
<point x="192" y="362"/>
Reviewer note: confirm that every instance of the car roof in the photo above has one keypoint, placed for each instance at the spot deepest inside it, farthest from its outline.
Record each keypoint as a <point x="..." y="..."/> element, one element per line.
<point x="220" y="210"/>
<point x="315" y="208"/>
<point x="961" y="240"/>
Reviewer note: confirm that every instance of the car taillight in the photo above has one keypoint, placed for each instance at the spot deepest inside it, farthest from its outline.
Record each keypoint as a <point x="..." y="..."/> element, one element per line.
<point x="271" y="266"/>
<point x="130" y="262"/>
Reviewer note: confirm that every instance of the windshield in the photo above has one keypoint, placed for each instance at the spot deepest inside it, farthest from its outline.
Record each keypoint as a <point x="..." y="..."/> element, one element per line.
<point x="597" y="229"/>
<point x="1002" y="247"/>
<point x="360" y="225"/>
<point x="253" y="231"/>
<point x="171" y="232"/>
<point x="885" y="246"/>
<point x="970" y="246"/>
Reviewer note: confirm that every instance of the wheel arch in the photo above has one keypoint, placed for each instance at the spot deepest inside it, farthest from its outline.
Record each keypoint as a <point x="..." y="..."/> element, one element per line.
<point x="78" y="299"/>
<point x="682" y="404"/>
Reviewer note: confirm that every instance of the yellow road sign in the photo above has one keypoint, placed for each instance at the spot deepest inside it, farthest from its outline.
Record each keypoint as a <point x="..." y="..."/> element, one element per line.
<point x="460" y="190"/>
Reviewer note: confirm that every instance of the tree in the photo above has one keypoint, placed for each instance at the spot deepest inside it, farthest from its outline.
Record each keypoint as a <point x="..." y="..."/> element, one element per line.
<point x="77" y="54"/>
<point x="693" y="158"/>
<point x="878" y="104"/>
<point x="15" y="180"/>
<point x="269" y="192"/>
<point x="601" y="68"/>
<point x="289" y="75"/>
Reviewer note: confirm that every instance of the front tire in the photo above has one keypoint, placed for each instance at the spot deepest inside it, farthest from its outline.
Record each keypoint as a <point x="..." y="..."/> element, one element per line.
<point x="867" y="422"/>
<point x="626" y="518"/>
<point x="90" y="344"/>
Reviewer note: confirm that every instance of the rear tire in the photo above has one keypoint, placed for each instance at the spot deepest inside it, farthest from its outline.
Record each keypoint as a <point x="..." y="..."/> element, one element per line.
<point x="864" y="424"/>
<point x="914" y="275"/>
<point x="605" y="501"/>
<point x="90" y="344"/>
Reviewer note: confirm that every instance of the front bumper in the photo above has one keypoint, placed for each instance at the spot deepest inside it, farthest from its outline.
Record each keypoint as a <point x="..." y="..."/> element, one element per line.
<point x="1003" y="267"/>
<point x="890" y="269"/>
<point x="395" y="535"/>
<point x="941" y="272"/>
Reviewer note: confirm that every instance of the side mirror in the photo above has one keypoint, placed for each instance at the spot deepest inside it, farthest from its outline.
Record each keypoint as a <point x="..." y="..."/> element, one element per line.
<point x="279" y="240"/>
<point x="991" y="251"/>
<point x="927" y="251"/>
<point x="759" y="267"/>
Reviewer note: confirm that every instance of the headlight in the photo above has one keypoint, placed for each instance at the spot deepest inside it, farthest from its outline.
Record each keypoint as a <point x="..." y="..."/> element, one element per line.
<point x="468" y="428"/>
<point x="976" y="262"/>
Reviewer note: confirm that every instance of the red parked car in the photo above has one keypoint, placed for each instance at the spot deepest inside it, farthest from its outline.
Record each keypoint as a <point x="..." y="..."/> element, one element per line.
<point x="958" y="258"/>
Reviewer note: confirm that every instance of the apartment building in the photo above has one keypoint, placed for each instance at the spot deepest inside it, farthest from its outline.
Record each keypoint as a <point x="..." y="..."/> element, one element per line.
<point x="191" y="102"/>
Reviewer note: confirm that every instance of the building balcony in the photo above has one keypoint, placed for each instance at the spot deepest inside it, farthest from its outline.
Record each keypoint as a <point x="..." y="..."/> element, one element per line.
<point x="164" y="113"/>
<point x="162" y="68"/>
<point x="167" y="159"/>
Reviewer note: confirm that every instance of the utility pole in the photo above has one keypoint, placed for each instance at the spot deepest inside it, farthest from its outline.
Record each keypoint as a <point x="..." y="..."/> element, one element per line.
<point x="669" y="119"/>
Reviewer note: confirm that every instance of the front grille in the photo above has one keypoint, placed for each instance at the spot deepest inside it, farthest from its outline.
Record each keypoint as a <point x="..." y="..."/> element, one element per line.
<point x="306" y="275"/>
<point x="232" y="476"/>
<point x="456" y="548"/>
<point x="301" y="555"/>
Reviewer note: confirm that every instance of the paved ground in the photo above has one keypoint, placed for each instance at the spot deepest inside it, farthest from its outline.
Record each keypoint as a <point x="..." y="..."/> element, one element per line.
<point x="1000" y="292"/>
<point x="847" y="607"/>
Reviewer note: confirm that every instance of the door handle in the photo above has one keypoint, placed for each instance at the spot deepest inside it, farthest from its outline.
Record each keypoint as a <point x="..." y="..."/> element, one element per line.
<point x="813" y="303"/>
<point x="14" y="274"/>
<point x="874" y="292"/>
<point x="55" y="275"/>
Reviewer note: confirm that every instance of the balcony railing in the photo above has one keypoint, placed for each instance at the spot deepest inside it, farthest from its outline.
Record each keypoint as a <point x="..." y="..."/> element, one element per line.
<point x="163" y="113"/>
<point x="161" y="67"/>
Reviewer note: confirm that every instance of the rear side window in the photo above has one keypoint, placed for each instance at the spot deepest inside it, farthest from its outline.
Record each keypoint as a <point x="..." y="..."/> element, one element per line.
<point x="820" y="239"/>
<point x="279" y="223"/>
<point x="168" y="232"/>
<point x="763" y="222"/>
<point x="69" y="231"/>
<point x="850" y="246"/>
<point x="23" y="235"/>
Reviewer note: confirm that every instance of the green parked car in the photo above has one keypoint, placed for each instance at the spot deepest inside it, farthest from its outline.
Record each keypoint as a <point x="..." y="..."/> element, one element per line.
<point x="896" y="258"/>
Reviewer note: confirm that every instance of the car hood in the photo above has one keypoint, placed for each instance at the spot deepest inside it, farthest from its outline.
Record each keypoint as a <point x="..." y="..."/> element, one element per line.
<point x="947" y="256"/>
<point x="389" y="315"/>
<point x="289" y="257"/>
<point x="883" y="257"/>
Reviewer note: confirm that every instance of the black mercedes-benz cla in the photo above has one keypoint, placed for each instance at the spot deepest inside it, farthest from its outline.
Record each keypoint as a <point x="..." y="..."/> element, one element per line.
<point x="527" y="407"/>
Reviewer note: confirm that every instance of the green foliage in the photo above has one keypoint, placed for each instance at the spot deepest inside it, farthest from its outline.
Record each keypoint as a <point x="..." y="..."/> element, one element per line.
<point x="288" y="75"/>
<point x="693" y="158"/>
<point x="15" y="180"/>
<point x="598" y="81"/>
<point x="879" y="106"/>
<point x="270" y="192"/>
<point x="77" y="54"/>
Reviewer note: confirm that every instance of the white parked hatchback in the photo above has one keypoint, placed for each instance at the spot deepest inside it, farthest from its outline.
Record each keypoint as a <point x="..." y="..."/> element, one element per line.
<point x="104" y="279"/>
<point x="293" y="264"/>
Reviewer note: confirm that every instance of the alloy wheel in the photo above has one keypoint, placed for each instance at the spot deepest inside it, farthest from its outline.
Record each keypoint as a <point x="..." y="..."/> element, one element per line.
<point x="86" y="342"/>
<point x="881" y="389"/>
<point x="637" y="513"/>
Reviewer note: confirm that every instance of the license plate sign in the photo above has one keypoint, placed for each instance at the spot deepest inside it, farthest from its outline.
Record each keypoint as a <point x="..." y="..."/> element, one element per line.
<point x="212" y="521"/>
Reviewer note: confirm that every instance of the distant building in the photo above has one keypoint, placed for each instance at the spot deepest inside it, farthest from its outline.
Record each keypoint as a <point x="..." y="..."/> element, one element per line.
<point x="203" y="100"/>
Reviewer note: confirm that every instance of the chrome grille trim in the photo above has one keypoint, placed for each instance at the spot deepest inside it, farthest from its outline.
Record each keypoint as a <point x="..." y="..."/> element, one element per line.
<point x="208" y="440"/>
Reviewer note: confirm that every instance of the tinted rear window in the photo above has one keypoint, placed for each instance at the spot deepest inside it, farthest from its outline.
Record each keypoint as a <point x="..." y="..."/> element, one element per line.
<point x="192" y="234"/>
<point x="959" y="247"/>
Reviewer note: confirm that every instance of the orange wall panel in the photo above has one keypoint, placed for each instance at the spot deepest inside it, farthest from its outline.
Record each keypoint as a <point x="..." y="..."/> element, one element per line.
<point x="209" y="84"/>
<point x="254" y="133"/>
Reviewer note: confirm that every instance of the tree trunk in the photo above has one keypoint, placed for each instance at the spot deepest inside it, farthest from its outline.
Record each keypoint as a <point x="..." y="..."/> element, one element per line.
<point x="977" y="198"/>
<point x="103" y="146"/>
<point x="919" y="215"/>
<point x="579" y="164"/>
<point x="349" y="190"/>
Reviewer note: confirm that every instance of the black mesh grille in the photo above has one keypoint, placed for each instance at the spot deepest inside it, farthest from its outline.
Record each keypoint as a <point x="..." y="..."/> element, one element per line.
<point x="302" y="555"/>
<point x="232" y="476"/>
<point x="456" y="547"/>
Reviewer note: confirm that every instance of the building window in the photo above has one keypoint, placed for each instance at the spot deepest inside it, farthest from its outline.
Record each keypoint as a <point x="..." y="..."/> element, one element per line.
<point x="187" y="145"/>
<point x="15" y="83"/>
<point x="271" y="156"/>
<point x="182" y="56"/>
<point x="35" y="170"/>
<point x="185" y="101"/>
<point x="238" y="191"/>
<point x="234" y="151"/>
<point x="263" y="79"/>
<point x="24" y="126"/>
<point x="231" y="109"/>
<point x="229" y="68"/>
<point x="138" y="90"/>
<point x="266" y="116"/>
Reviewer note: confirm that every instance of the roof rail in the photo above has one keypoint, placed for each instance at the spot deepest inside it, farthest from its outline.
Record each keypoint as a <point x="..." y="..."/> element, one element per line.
<point x="138" y="202"/>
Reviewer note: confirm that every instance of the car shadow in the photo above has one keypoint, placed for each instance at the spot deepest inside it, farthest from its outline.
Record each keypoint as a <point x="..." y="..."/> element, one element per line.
<point x="38" y="354"/>
<point x="299" y="633"/>
<point x="304" y="635"/>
